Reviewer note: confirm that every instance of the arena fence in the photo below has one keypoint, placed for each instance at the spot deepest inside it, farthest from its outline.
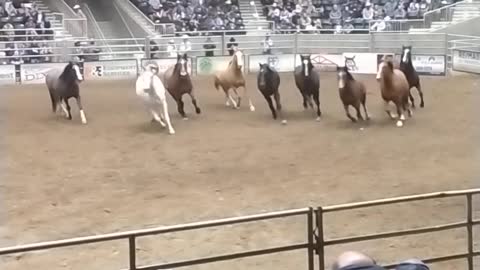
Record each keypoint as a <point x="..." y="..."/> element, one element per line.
<point x="315" y="241"/>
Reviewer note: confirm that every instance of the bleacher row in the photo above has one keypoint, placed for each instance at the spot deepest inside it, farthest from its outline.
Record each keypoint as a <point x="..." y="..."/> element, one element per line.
<point x="23" y="31"/>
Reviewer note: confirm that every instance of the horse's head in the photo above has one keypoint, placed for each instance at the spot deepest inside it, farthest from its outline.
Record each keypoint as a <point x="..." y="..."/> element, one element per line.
<point x="406" y="54"/>
<point x="264" y="69"/>
<point x="238" y="59"/>
<point x="343" y="76"/>
<point x="152" y="67"/>
<point x="307" y="65"/>
<point x="72" y="73"/>
<point x="385" y="66"/>
<point x="182" y="61"/>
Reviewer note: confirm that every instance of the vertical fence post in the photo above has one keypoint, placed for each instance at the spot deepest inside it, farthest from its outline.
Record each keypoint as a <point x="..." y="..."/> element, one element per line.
<point x="132" y="252"/>
<point x="147" y="47"/>
<point x="320" y="240"/>
<point x="311" y="263"/>
<point x="470" y="231"/>
<point x="224" y="47"/>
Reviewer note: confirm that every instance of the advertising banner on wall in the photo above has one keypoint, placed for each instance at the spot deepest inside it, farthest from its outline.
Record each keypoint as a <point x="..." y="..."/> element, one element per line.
<point x="210" y="65"/>
<point x="361" y="63"/>
<point x="35" y="73"/>
<point x="466" y="61"/>
<point x="164" y="64"/>
<point x="7" y="74"/>
<point x="110" y="70"/>
<point x="429" y="64"/>
<point x="280" y="62"/>
<point x="325" y="62"/>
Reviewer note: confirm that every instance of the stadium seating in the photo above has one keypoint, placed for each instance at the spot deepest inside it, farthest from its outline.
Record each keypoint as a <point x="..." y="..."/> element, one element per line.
<point x="193" y="17"/>
<point x="341" y="14"/>
<point x="24" y="30"/>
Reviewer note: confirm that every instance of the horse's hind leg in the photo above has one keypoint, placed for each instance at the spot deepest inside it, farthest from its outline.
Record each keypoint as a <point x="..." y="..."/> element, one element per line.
<point x="194" y="102"/>
<point x="156" y="117"/>
<point x="359" y="114"/>
<point x="180" y="107"/>
<point x="247" y="96"/>
<point x="400" y="112"/>
<point x="167" y="116"/>
<point x="69" y="114"/>
<point x="411" y="98"/>
<point x="316" y="98"/>
<point x="276" y="96"/>
<point x="420" y="93"/>
<point x="386" y="106"/>
<point x="270" y="105"/>
<point x="364" y="101"/>
<point x="80" y="108"/>
<point x="229" y="99"/>
<point x="347" y="112"/>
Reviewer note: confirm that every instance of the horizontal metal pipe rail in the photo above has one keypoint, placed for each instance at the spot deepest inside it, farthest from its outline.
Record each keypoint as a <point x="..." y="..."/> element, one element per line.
<point x="468" y="224"/>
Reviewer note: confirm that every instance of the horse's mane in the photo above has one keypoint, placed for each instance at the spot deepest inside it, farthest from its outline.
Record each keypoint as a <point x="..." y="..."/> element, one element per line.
<point x="388" y="76"/>
<point x="349" y="75"/>
<point x="66" y="74"/>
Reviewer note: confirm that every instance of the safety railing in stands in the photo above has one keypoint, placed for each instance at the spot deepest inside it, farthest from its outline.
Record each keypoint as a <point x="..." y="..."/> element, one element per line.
<point x="395" y="25"/>
<point x="315" y="242"/>
<point x="159" y="28"/>
<point x="445" y="14"/>
<point x="464" y="42"/>
<point x="95" y="28"/>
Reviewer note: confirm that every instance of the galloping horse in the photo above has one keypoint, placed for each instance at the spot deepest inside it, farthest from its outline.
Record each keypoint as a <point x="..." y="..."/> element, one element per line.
<point x="178" y="82"/>
<point x="62" y="85"/>
<point x="352" y="93"/>
<point x="413" y="79"/>
<point x="394" y="88"/>
<point x="232" y="78"/>
<point x="308" y="82"/>
<point x="268" y="82"/>
<point x="150" y="89"/>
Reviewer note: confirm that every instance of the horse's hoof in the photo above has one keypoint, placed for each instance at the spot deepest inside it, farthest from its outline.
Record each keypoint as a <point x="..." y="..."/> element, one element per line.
<point x="252" y="109"/>
<point x="399" y="123"/>
<point x="171" y="132"/>
<point x="284" y="122"/>
<point x="317" y="119"/>
<point x="198" y="111"/>
<point x="185" y="118"/>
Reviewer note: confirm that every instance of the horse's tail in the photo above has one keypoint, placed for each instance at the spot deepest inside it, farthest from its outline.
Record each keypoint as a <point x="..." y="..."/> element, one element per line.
<point x="217" y="83"/>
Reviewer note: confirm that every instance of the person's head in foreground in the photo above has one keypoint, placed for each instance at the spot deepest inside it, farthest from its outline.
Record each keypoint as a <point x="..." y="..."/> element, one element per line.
<point x="412" y="264"/>
<point x="353" y="260"/>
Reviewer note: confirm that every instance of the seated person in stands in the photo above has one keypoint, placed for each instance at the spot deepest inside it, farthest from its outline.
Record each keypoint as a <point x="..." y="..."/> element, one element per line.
<point x="3" y="13"/>
<point x="400" y="13"/>
<point x="8" y="31"/>
<point x="305" y="20"/>
<point x="155" y="4"/>
<point x="348" y="26"/>
<point x="336" y="15"/>
<point x="367" y="12"/>
<point x="30" y="23"/>
<point x="378" y="12"/>
<point x="347" y="12"/>
<point x="352" y="260"/>
<point x="389" y="8"/>
<point x="424" y="8"/>
<point x="413" y="10"/>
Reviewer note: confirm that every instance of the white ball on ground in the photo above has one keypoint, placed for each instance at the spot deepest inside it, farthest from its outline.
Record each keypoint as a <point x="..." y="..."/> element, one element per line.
<point x="284" y="122"/>
<point x="362" y="128"/>
<point x="185" y="118"/>
<point x="317" y="119"/>
<point x="399" y="123"/>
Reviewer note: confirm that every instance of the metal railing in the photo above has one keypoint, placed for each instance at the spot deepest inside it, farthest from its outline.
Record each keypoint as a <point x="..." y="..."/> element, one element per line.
<point x="397" y="25"/>
<point x="446" y="13"/>
<point x="77" y="27"/>
<point x="315" y="239"/>
<point x="159" y="28"/>
<point x="95" y="28"/>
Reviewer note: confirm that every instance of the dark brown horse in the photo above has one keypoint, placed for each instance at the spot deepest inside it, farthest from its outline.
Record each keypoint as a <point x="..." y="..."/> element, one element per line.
<point x="268" y="82"/>
<point x="352" y="93"/>
<point x="394" y="88"/>
<point x="231" y="79"/>
<point x="178" y="82"/>
<point x="413" y="79"/>
<point x="307" y="81"/>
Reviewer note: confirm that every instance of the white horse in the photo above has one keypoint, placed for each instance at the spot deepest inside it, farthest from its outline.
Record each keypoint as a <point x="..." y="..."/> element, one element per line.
<point x="151" y="90"/>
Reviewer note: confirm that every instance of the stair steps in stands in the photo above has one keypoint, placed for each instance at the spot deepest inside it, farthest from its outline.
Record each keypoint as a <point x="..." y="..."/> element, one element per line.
<point x="136" y="14"/>
<point x="56" y="24"/>
<point x="251" y="21"/>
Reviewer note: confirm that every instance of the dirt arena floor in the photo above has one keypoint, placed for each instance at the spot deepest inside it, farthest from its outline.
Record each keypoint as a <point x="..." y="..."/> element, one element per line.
<point x="62" y="179"/>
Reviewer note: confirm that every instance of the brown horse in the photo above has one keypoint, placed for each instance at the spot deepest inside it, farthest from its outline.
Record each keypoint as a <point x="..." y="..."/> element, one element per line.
<point x="352" y="93"/>
<point x="178" y="82"/>
<point x="232" y="78"/>
<point x="394" y="87"/>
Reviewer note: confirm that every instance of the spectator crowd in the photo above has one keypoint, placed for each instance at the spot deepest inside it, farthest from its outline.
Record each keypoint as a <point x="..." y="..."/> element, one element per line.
<point x="194" y="15"/>
<point x="343" y="16"/>
<point x="23" y="33"/>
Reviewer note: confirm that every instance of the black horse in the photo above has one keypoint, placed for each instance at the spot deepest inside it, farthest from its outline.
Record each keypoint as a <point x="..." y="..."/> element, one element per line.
<point x="268" y="82"/>
<point x="308" y="82"/>
<point x="406" y="66"/>
<point x="63" y="85"/>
